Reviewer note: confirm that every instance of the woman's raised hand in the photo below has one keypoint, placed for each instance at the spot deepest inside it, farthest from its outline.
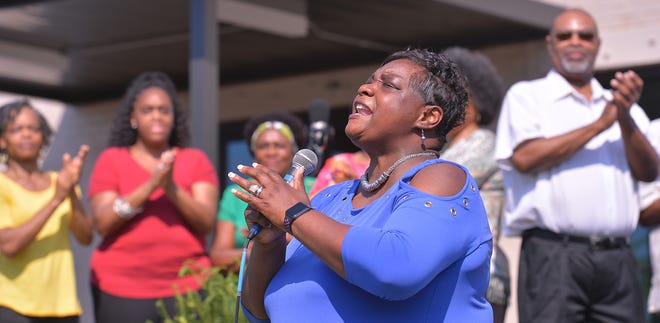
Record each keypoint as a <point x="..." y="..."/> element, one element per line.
<point x="163" y="171"/>
<point x="69" y="175"/>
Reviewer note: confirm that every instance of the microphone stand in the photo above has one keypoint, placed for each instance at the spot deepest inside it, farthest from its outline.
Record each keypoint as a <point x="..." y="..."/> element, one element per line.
<point x="239" y="288"/>
<point x="305" y="159"/>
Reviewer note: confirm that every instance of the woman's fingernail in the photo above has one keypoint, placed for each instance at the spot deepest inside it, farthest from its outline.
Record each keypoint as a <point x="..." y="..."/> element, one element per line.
<point x="231" y="175"/>
<point x="254" y="164"/>
<point x="240" y="166"/>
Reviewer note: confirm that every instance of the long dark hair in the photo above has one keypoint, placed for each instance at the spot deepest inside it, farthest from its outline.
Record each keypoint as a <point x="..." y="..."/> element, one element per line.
<point x="122" y="135"/>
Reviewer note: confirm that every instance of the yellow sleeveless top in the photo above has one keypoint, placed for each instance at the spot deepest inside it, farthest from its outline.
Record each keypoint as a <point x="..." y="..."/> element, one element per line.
<point x="40" y="279"/>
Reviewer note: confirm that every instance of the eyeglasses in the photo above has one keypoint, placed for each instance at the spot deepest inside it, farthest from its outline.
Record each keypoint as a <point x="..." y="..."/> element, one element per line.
<point x="582" y="34"/>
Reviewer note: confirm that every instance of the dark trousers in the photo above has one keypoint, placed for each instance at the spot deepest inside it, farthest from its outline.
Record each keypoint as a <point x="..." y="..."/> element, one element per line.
<point x="561" y="280"/>
<point x="113" y="309"/>
<point x="10" y="316"/>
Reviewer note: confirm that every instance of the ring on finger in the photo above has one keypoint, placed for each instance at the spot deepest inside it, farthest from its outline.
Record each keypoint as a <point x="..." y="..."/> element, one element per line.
<point x="255" y="189"/>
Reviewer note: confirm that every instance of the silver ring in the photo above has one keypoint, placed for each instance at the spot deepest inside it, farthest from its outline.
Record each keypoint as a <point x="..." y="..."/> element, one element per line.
<point x="255" y="189"/>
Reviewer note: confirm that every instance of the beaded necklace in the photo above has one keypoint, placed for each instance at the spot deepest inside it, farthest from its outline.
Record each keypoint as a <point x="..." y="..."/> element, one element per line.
<point x="369" y="187"/>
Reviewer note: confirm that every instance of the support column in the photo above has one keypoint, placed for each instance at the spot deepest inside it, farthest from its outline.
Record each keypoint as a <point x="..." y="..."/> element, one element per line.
<point x="203" y="78"/>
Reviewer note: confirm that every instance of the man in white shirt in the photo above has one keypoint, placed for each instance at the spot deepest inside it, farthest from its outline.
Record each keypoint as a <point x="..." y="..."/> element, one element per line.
<point x="572" y="153"/>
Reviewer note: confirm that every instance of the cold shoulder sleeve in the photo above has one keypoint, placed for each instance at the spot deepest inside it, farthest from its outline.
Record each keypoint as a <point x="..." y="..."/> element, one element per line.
<point x="423" y="236"/>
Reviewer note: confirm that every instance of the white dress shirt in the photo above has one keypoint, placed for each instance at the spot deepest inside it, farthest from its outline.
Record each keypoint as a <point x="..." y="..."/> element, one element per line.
<point x="592" y="193"/>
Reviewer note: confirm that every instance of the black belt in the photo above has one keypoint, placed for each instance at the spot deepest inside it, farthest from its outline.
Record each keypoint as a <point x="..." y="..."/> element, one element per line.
<point x="594" y="242"/>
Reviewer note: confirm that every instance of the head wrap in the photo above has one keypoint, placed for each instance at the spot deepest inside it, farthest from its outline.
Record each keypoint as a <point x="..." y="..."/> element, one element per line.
<point x="281" y="127"/>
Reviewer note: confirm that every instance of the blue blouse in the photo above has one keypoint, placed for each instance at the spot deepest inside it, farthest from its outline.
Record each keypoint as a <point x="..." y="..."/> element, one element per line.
<point x="409" y="257"/>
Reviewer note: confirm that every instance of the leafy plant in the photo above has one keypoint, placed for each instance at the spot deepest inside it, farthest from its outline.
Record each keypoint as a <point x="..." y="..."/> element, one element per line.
<point x="214" y="303"/>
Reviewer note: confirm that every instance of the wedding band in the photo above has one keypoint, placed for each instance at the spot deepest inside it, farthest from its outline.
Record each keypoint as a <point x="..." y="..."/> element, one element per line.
<point x="255" y="189"/>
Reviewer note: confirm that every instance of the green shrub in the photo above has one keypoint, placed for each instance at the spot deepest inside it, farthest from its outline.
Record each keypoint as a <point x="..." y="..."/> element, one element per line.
<point x="215" y="303"/>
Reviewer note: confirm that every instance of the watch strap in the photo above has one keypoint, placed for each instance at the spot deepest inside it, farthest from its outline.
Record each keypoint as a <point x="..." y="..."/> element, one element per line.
<point x="293" y="213"/>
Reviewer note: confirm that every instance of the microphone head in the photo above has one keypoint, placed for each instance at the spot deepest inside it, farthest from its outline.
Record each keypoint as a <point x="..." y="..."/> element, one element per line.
<point x="307" y="159"/>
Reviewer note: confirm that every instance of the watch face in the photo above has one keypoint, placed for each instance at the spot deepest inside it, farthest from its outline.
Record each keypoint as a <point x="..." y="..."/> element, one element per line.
<point x="296" y="209"/>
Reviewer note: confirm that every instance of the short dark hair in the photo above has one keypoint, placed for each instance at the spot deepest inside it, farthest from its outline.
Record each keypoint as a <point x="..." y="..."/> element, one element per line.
<point x="8" y="113"/>
<point x="441" y="84"/>
<point x="122" y="135"/>
<point x="485" y="84"/>
<point x="294" y="122"/>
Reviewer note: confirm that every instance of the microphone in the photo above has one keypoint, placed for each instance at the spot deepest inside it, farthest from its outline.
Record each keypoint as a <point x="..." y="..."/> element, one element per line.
<point x="305" y="159"/>
<point x="320" y="131"/>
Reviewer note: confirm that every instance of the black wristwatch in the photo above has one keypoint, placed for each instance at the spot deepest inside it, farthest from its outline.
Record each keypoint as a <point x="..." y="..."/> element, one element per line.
<point x="293" y="213"/>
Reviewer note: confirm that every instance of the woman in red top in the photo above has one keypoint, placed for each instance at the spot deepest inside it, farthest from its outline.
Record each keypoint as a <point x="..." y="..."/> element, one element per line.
<point x="153" y="201"/>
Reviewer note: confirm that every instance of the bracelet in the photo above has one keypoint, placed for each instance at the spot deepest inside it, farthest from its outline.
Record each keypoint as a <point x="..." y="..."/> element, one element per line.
<point x="124" y="210"/>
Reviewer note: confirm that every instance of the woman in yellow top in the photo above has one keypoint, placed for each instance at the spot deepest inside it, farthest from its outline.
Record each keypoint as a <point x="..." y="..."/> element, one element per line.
<point x="37" y="210"/>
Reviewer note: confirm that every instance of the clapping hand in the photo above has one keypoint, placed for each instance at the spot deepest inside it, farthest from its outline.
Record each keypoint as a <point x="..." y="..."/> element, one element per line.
<point x="163" y="171"/>
<point x="627" y="88"/>
<point x="69" y="175"/>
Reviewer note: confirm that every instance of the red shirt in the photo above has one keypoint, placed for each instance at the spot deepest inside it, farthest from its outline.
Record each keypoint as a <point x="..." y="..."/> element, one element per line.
<point x="142" y="259"/>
